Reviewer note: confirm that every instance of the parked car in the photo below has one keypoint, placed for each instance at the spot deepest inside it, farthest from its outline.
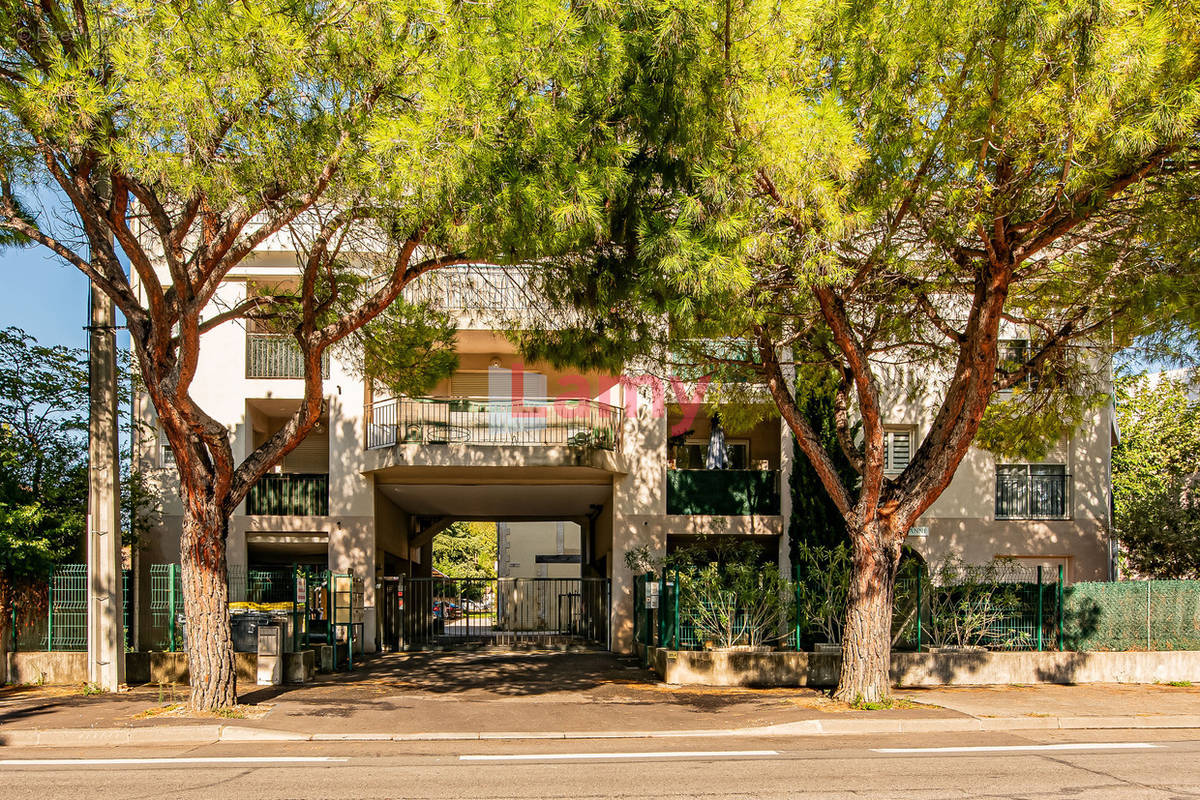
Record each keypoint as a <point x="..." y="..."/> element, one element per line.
<point x="444" y="609"/>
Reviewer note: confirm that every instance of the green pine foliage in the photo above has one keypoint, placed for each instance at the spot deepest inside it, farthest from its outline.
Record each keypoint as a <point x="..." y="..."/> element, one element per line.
<point x="467" y="550"/>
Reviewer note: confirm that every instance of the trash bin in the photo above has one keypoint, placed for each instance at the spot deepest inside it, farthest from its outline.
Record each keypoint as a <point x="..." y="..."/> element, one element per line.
<point x="245" y="630"/>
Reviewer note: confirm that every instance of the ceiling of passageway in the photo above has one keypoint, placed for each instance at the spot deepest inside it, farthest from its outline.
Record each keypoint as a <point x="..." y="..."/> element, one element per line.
<point x="497" y="501"/>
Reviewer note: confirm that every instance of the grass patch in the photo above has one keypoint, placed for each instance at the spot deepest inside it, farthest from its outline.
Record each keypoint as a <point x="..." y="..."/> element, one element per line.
<point x="158" y="711"/>
<point x="887" y="704"/>
<point x="181" y="710"/>
<point x="1183" y="684"/>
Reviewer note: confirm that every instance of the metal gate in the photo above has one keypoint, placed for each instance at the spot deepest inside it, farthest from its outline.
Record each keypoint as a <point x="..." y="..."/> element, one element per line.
<point x="446" y="612"/>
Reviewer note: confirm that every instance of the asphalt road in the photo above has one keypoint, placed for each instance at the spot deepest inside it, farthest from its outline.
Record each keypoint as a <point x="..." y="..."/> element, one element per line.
<point x="1123" y="764"/>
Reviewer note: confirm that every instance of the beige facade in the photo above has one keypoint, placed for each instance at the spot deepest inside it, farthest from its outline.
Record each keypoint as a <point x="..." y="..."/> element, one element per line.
<point x="538" y="549"/>
<point x="592" y="453"/>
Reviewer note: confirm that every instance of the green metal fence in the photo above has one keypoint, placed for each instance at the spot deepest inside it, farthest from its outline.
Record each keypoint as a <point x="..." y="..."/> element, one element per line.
<point x="1019" y="610"/>
<point x="166" y="606"/>
<point x="53" y="616"/>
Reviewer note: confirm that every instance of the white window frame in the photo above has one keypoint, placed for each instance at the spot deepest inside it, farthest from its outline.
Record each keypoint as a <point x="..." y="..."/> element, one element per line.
<point x="728" y="444"/>
<point x="166" y="455"/>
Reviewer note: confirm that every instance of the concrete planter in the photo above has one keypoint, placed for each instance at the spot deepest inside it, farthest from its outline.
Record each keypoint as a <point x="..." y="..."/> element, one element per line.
<point x="958" y="648"/>
<point x="62" y="667"/>
<point x="960" y="668"/>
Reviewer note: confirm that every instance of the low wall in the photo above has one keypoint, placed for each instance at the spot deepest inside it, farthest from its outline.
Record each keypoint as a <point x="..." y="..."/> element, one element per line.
<point x="62" y="667"/>
<point x="51" y="667"/>
<point x="717" y="668"/>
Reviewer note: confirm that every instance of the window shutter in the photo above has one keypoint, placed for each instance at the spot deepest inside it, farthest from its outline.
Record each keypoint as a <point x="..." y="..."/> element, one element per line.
<point x="901" y="449"/>
<point x="897" y="450"/>
<point x="469" y="384"/>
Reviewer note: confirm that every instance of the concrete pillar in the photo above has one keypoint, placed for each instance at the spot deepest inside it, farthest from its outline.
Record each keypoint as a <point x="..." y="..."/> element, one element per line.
<point x="639" y="508"/>
<point x="787" y="455"/>
<point x="106" y="645"/>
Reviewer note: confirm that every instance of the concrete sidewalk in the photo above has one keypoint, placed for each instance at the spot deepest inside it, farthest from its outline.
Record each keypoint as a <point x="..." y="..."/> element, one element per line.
<point x="471" y="696"/>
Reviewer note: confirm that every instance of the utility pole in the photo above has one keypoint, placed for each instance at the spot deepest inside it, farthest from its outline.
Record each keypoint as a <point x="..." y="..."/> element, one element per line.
<point x="106" y="640"/>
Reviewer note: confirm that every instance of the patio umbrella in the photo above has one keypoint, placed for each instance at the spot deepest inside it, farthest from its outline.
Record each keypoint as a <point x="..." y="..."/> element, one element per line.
<point x="718" y="454"/>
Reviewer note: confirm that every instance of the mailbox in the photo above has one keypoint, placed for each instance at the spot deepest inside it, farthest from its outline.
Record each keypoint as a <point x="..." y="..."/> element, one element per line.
<point x="270" y="655"/>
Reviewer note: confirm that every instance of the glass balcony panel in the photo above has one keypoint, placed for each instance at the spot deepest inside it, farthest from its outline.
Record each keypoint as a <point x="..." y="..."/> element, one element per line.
<point x="723" y="492"/>
<point x="290" y="494"/>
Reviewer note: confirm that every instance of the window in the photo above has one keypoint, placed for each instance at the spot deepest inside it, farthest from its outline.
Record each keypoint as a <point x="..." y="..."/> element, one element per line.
<point x="1032" y="491"/>
<point x="1012" y="356"/>
<point x="166" y="456"/>
<point x="897" y="449"/>
<point x="694" y="454"/>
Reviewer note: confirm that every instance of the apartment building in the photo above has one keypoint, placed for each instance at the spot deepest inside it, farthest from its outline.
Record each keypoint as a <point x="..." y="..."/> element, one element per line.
<point x="529" y="445"/>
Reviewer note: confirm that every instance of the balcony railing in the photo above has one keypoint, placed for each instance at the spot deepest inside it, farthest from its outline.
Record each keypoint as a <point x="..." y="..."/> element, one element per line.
<point x="274" y="355"/>
<point x="477" y="420"/>
<point x="1032" y="496"/>
<point x="723" y="492"/>
<point x="291" y="494"/>
<point x="474" y="288"/>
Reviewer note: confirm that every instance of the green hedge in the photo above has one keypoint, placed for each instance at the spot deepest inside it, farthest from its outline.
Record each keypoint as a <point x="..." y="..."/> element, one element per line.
<point x="1132" y="615"/>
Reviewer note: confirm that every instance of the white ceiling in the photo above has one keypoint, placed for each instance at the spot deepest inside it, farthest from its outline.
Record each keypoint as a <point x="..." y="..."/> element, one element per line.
<point x="497" y="501"/>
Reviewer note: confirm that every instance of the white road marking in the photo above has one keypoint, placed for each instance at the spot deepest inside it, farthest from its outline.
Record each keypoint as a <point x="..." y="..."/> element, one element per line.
<point x="99" y="762"/>
<point x="1021" y="748"/>
<point x="588" y="756"/>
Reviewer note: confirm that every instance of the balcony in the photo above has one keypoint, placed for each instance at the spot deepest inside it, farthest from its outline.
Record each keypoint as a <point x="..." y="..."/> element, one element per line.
<point x="542" y="422"/>
<point x="474" y="288"/>
<point x="276" y="355"/>
<point x="723" y="492"/>
<point x="289" y="494"/>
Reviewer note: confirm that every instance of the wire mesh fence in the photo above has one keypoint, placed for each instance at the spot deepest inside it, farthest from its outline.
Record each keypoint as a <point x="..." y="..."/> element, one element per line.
<point x="1132" y="615"/>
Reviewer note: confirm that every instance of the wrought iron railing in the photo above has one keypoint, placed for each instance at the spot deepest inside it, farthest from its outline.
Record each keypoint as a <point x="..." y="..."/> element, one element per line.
<point x="290" y="494"/>
<point x="1033" y="496"/>
<point x="273" y="355"/>
<point x="473" y="420"/>
<point x="474" y="288"/>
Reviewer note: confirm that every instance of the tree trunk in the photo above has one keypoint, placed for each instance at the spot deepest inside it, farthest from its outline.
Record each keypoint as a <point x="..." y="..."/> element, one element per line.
<point x="5" y="636"/>
<point x="867" y="637"/>
<point x="206" y="603"/>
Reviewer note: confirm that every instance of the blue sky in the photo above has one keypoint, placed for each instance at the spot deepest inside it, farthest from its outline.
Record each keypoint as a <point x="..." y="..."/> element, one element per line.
<point x="42" y="294"/>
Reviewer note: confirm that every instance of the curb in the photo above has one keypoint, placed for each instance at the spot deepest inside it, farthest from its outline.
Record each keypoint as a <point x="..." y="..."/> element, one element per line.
<point x="211" y="734"/>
